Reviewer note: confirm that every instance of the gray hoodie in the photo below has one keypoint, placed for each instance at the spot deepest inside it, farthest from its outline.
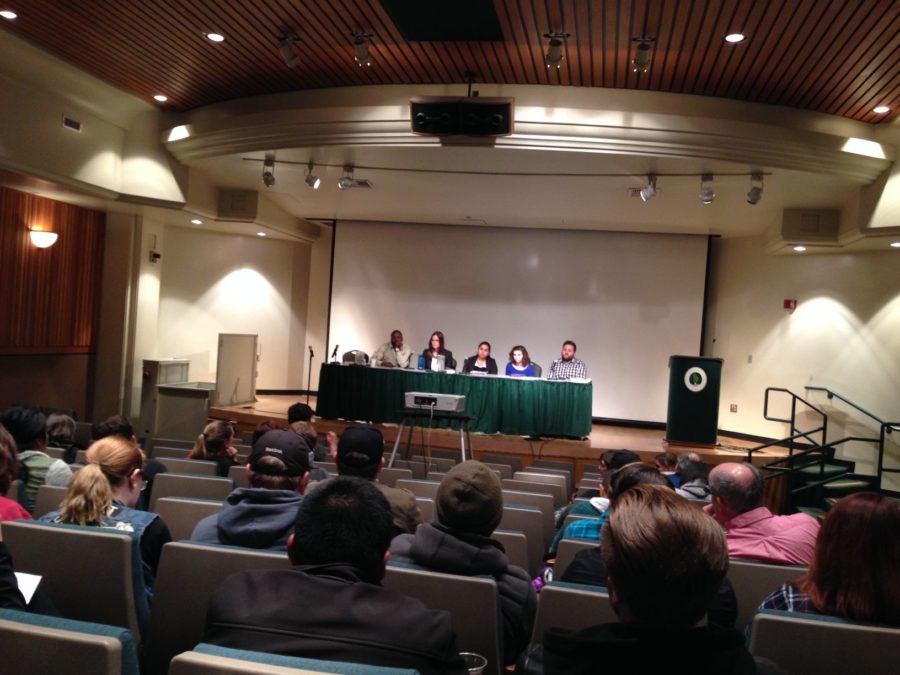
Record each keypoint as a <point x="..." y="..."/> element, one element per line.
<point x="252" y="517"/>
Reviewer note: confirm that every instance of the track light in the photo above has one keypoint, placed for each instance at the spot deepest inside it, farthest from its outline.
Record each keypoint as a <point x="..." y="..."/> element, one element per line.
<point x="641" y="61"/>
<point x="288" y="50"/>
<point x="706" y="189"/>
<point x="649" y="192"/>
<point x="268" y="174"/>
<point x="756" y="189"/>
<point x="347" y="180"/>
<point x="361" y="47"/>
<point x="311" y="179"/>
<point x="554" y="56"/>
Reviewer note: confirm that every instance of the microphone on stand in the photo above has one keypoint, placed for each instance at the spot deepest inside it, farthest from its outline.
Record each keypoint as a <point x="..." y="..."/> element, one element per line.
<point x="311" y="355"/>
<point x="334" y="353"/>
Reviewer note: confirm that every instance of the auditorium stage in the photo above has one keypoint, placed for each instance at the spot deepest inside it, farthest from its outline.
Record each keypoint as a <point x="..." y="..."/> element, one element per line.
<point x="646" y="442"/>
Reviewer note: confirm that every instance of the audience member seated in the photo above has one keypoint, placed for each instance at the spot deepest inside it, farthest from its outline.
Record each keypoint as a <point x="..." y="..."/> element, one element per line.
<point x="360" y="453"/>
<point x="665" y="464"/>
<point x="694" y="478"/>
<point x="10" y="596"/>
<point x="121" y="427"/>
<point x="482" y="362"/>
<point x="104" y="494"/>
<point x="300" y="420"/>
<point x="436" y="348"/>
<point x="28" y="427"/>
<point x="855" y="570"/>
<point x="331" y="605"/>
<point x="216" y="443"/>
<point x="468" y="508"/>
<point x="9" y="470"/>
<point x="262" y="515"/>
<point x="752" y="531"/>
<point x="61" y="434"/>
<point x="520" y="364"/>
<point x="587" y="567"/>
<point x="666" y="560"/>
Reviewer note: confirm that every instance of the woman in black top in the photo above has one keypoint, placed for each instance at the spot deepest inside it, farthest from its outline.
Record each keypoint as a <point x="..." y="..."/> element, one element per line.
<point x="436" y="348"/>
<point x="482" y="362"/>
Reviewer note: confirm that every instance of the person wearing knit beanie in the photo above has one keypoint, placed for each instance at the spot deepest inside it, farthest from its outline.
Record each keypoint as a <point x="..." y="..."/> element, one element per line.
<point x="470" y="499"/>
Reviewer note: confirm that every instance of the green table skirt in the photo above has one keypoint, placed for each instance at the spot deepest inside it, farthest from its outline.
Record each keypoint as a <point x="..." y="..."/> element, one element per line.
<point x="505" y="404"/>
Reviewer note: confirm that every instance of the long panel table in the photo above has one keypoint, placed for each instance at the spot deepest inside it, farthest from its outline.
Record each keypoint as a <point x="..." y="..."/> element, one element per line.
<point x="509" y="405"/>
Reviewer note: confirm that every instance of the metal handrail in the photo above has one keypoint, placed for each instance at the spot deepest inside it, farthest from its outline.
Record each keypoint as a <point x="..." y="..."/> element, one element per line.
<point x="796" y="433"/>
<point x="833" y="394"/>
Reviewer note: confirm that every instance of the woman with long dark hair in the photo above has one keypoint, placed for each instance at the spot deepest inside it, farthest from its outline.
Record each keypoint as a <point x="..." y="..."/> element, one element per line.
<point x="436" y="348"/>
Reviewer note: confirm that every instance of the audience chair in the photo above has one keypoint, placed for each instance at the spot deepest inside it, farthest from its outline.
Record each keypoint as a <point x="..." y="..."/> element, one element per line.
<point x="825" y="645"/>
<point x="555" y="466"/>
<point x="200" y="467"/>
<point x="80" y="457"/>
<point x="420" y="488"/>
<point x="162" y="451"/>
<point x="566" y="551"/>
<point x="437" y="464"/>
<point x="560" y="493"/>
<point x="89" y="573"/>
<point x="84" y="434"/>
<point x="571" y="606"/>
<point x="49" y="498"/>
<point x="527" y="519"/>
<point x="208" y="659"/>
<point x="502" y="470"/>
<point x="572" y="517"/>
<point x="510" y="460"/>
<point x="330" y="467"/>
<point x="436" y="476"/>
<point x="247" y="438"/>
<point x="426" y="506"/>
<point x="419" y="466"/>
<point x="55" y="453"/>
<point x="516" y="545"/>
<point x="183" y="485"/>
<point x="543" y="501"/>
<point x="188" y="575"/>
<point x="173" y="443"/>
<point x="592" y="468"/>
<point x="13" y="492"/>
<point x="391" y="476"/>
<point x="33" y="643"/>
<point x="555" y="491"/>
<point x="181" y="514"/>
<point x="445" y="455"/>
<point x="472" y="602"/>
<point x="588" y="484"/>
<point x="753" y="582"/>
<point x="238" y="475"/>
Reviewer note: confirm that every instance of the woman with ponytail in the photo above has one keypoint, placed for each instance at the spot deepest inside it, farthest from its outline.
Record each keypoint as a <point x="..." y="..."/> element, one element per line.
<point x="216" y="443"/>
<point x="104" y="494"/>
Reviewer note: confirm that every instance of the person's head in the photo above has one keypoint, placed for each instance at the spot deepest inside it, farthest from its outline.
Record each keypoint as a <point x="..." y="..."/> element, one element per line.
<point x="665" y="461"/>
<point x="436" y="342"/>
<point x="60" y="428"/>
<point x="113" y="470"/>
<point x="518" y="356"/>
<point x="690" y="471"/>
<point x="344" y="520"/>
<point x="854" y="570"/>
<point x="665" y="558"/>
<point x="9" y="461"/>
<point x="631" y="475"/>
<point x="299" y="412"/>
<point x="360" y="452"/>
<point x="469" y="499"/>
<point x="735" y="488"/>
<point x="117" y="425"/>
<point x="215" y="440"/>
<point x="396" y="339"/>
<point x="279" y="461"/>
<point x="568" y="350"/>
<point x="686" y="458"/>
<point x="484" y="350"/>
<point x="616" y="459"/>
<point x="263" y="428"/>
<point x="27" y="425"/>
<point x="307" y="432"/>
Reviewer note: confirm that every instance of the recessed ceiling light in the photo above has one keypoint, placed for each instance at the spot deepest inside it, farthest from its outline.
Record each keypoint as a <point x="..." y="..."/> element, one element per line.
<point x="260" y="234"/>
<point x="881" y="110"/>
<point x="799" y="249"/>
<point x="10" y="16"/>
<point x="895" y="244"/>
<point x="215" y="37"/>
<point x="162" y="98"/>
<point x="196" y="221"/>
<point x="734" y="38"/>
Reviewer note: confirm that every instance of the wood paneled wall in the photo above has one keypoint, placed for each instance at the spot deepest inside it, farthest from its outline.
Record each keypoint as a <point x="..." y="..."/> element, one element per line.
<point x="49" y="298"/>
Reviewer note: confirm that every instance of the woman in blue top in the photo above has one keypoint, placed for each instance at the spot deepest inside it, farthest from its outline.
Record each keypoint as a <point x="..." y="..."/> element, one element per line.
<point x="519" y="363"/>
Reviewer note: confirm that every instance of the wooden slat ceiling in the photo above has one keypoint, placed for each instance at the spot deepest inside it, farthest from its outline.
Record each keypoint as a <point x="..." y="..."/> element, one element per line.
<point x="834" y="56"/>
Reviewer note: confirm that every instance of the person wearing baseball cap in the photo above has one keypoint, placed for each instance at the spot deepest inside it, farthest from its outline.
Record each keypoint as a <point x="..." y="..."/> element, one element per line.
<point x="468" y="508"/>
<point x="263" y="515"/>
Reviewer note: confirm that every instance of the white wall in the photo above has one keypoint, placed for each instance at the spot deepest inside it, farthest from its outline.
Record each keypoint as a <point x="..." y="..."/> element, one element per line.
<point x="218" y="283"/>
<point x="844" y="335"/>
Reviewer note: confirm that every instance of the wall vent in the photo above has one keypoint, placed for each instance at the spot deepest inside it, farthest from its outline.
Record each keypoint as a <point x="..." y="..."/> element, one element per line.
<point x="71" y="123"/>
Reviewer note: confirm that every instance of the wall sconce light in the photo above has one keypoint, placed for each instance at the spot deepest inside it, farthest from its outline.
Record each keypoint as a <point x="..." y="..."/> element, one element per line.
<point x="42" y="238"/>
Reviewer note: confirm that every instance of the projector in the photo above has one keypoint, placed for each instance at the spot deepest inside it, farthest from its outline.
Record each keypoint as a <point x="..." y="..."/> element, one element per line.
<point x="441" y="402"/>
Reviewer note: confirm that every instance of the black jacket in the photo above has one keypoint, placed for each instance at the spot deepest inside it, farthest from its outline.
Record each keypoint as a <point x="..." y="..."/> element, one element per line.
<point x="327" y="612"/>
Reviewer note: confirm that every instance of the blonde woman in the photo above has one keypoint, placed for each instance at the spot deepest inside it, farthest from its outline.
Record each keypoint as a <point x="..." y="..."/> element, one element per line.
<point x="104" y="494"/>
<point x="216" y="443"/>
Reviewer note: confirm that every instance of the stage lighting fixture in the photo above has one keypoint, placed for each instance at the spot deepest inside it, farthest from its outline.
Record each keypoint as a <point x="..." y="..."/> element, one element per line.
<point x="554" y="56"/>
<point x="649" y="192"/>
<point x="361" y="47"/>
<point x="641" y="61"/>
<point x="287" y="47"/>
<point x="756" y="189"/>
<point x="706" y="189"/>
<point x="311" y="179"/>
<point x="268" y="174"/>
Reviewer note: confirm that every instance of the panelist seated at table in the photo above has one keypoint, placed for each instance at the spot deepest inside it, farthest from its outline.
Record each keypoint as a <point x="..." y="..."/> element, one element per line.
<point x="482" y="362"/>
<point x="436" y="349"/>
<point x="393" y="354"/>
<point x="520" y="364"/>
<point x="567" y="367"/>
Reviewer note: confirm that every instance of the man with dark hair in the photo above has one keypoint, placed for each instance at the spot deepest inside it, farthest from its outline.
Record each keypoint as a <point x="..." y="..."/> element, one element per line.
<point x="262" y="515"/>
<point x="61" y="434"/>
<point x="360" y="452"/>
<point x="299" y="412"/>
<point x="694" y="479"/>
<point x="468" y="507"/>
<point x="666" y="560"/>
<point x="28" y="427"/>
<point x="752" y="531"/>
<point x="567" y="366"/>
<point x="331" y="605"/>
<point x="393" y="354"/>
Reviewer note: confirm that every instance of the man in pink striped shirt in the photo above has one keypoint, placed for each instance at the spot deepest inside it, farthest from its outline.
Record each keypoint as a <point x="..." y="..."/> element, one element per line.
<point x="753" y="533"/>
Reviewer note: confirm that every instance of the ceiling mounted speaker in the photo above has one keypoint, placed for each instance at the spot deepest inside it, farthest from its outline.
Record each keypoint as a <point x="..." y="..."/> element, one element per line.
<point x="467" y="116"/>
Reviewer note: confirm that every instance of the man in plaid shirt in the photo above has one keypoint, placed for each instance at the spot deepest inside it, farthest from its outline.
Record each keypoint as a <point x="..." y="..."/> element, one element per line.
<point x="567" y="366"/>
